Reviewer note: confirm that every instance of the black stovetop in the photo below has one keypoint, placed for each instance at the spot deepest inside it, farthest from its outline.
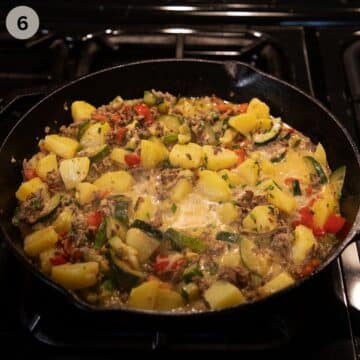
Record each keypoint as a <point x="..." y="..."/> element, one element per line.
<point x="318" y="321"/>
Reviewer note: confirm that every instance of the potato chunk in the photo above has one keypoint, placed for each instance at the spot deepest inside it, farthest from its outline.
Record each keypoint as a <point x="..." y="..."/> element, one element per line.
<point x="180" y="190"/>
<point x="62" y="223"/>
<point x="189" y="156"/>
<point x="213" y="186"/>
<point x="46" y="165"/>
<point x="144" y="295"/>
<point x="261" y="218"/>
<point x="95" y="135"/>
<point x="116" y="182"/>
<point x="118" y="155"/>
<point x="221" y="294"/>
<point x="73" y="171"/>
<point x="61" y="145"/>
<point x="152" y="153"/>
<point x="76" y="276"/>
<point x="304" y="242"/>
<point x="86" y="192"/>
<point x="244" y="123"/>
<point x="40" y="240"/>
<point x="248" y="171"/>
<point x="30" y="187"/>
<point x="278" y="283"/>
<point x="217" y="159"/>
<point x="81" y="110"/>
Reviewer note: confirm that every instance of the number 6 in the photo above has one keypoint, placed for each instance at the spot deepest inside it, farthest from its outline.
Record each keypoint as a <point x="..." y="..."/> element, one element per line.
<point x="22" y="23"/>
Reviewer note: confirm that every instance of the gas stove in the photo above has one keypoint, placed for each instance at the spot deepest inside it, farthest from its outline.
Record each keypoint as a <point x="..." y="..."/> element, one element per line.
<point x="316" y="51"/>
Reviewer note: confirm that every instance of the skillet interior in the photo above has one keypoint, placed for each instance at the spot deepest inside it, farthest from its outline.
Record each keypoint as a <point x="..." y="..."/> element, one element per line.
<point x="233" y="81"/>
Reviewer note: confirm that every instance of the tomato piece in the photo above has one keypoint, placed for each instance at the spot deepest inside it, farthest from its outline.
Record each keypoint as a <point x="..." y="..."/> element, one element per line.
<point x="307" y="217"/>
<point x="241" y="155"/>
<point x="77" y="255"/>
<point x="308" y="190"/>
<point x="310" y="267"/>
<point x="30" y="173"/>
<point x="94" y="219"/>
<point x="58" y="260"/>
<point x="167" y="264"/>
<point x="243" y="107"/>
<point x="132" y="159"/>
<point x="97" y="116"/>
<point x="115" y="117"/>
<point x="295" y="223"/>
<point x="120" y="135"/>
<point x="334" y="223"/>
<point x="288" y="181"/>
<point x="67" y="246"/>
<point x="144" y="110"/>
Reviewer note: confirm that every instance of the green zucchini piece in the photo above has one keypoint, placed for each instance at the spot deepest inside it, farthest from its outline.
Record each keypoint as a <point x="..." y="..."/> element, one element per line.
<point x="337" y="179"/>
<point x="96" y="153"/>
<point x="190" y="292"/>
<point x="142" y="242"/>
<point x="147" y="228"/>
<point x="181" y="241"/>
<point x="190" y="272"/>
<point x="279" y="157"/>
<point x="122" y="210"/>
<point x="296" y="188"/>
<point x="270" y="134"/>
<point x="131" y="144"/>
<point x="125" y="276"/>
<point x="150" y="99"/>
<point x="82" y="128"/>
<point x="163" y="107"/>
<point x="171" y="122"/>
<point x="315" y="165"/>
<point x="170" y="138"/>
<point x="115" y="228"/>
<point x="228" y="236"/>
<point x="50" y="207"/>
<point x="100" y="236"/>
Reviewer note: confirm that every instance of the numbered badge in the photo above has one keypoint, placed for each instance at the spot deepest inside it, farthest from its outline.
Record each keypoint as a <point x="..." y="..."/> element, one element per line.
<point x="22" y="22"/>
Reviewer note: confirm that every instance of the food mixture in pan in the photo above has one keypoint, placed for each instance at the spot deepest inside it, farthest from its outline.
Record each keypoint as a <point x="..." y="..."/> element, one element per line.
<point x="172" y="203"/>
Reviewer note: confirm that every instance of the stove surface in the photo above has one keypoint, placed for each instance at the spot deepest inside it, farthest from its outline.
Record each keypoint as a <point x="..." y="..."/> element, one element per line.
<point x="317" y="321"/>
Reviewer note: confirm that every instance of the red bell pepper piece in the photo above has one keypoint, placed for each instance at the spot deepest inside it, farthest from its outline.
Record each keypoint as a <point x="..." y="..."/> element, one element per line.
<point x="167" y="264"/>
<point x="334" y="223"/>
<point x="242" y="108"/>
<point x="144" y="110"/>
<point x="241" y="155"/>
<point x="30" y="173"/>
<point x="310" y="267"/>
<point x="120" y="135"/>
<point x="58" y="260"/>
<point x="97" y="116"/>
<point x="116" y="117"/>
<point x="132" y="159"/>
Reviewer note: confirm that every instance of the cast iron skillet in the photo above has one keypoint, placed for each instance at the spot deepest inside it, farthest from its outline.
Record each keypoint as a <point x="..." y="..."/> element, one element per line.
<point x="234" y="81"/>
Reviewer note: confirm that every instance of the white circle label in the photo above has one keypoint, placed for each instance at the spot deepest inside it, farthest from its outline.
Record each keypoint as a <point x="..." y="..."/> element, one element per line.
<point x="22" y="22"/>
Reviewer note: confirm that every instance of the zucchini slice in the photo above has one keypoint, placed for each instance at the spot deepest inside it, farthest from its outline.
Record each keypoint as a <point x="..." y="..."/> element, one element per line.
<point x="296" y="188"/>
<point x="228" y="236"/>
<point x="121" y="212"/>
<point x="150" y="99"/>
<point x="269" y="135"/>
<point x="317" y="168"/>
<point x="337" y="179"/>
<point x="124" y="274"/>
<point x="96" y="153"/>
<point x="49" y="209"/>
<point x="82" y="128"/>
<point x="147" y="228"/>
<point x="181" y="241"/>
<point x="100" y="236"/>
<point x="171" y="122"/>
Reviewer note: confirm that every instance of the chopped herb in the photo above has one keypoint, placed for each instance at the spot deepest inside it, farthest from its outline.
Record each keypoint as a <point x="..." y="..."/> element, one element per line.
<point x="206" y="160"/>
<point x="225" y="177"/>
<point x="225" y="123"/>
<point x="36" y="204"/>
<point x="99" y="130"/>
<point x="252" y="217"/>
<point x="165" y="164"/>
<point x="235" y="146"/>
<point x="108" y="285"/>
<point x="213" y="269"/>
<point x="296" y="143"/>
<point x="173" y="208"/>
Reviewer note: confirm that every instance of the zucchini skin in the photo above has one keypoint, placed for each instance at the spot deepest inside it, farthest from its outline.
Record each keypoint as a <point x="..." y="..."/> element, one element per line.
<point x="147" y="228"/>
<point x="181" y="241"/>
<point x="318" y="169"/>
<point x="228" y="236"/>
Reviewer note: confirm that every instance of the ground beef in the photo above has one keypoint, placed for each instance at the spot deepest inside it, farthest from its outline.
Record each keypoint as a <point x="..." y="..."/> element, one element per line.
<point x="32" y="208"/>
<point x="249" y="201"/>
<point x="54" y="181"/>
<point x="69" y="131"/>
<point x="236" y="275"/>
<point x="282" y="242"/>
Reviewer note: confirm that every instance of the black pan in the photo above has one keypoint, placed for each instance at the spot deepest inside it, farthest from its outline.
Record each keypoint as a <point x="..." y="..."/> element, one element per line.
<point x="236" y="82"/>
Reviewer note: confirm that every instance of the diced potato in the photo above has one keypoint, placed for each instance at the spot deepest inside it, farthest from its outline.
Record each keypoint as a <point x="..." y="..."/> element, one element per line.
<point x="248" y="171"/>
<point x="45" y="263"/>
<point x="213" y="186"/>
<point x="261" y="218"/>
<point x="231" y="177"/>
<point x="30" y="187"/>
<point x="118" y="155"/>
<point x="228" y="136"/>
<point x="189" y="156"/>
<point x="46" y="165"/>
<point x="143" y="243"/>
<point x="145" y="210"/>
<point x="152" y="153"/>
<point x="81" y="110"/>
<point x="144" y="295"/>
<point x="231" y="258"/>
<point x="278" y="283"/>
<point x="73" y="171"/>
<point x="40" y="240"/>
<point x="76" y="276"/>
<point x="278" y="197"/>
<point x="184" y="136"/>
<point x="267" y="168"/>
<point x="95" y="135"/>
<point x="324" y="206"/>
<point x="220" y="158"/>
<point x="116" y="182"/>
<point x="180" y="190"/>
<point x="258" y="108"/>
<point x="168" y="299"/>
<point x="228" y="213"/>
<point x="244" y="123"/>
<point x="61" y="145"/>
<point x="62" y="223"/>
<point x="221" y="294"/>
<point x="320" y="155"/>
<point x="303" y="244"/>
<point x="86" y="192"/>
<point x="264" y="123"/>
<point x="254" y="259"/>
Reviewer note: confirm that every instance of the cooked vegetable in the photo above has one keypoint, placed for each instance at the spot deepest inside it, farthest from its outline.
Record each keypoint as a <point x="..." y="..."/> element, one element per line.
<point x="168" y="203"/>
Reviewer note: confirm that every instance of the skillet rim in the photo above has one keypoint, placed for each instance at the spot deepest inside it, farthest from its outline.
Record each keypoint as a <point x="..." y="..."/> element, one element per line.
<point x="82" y="305"/>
